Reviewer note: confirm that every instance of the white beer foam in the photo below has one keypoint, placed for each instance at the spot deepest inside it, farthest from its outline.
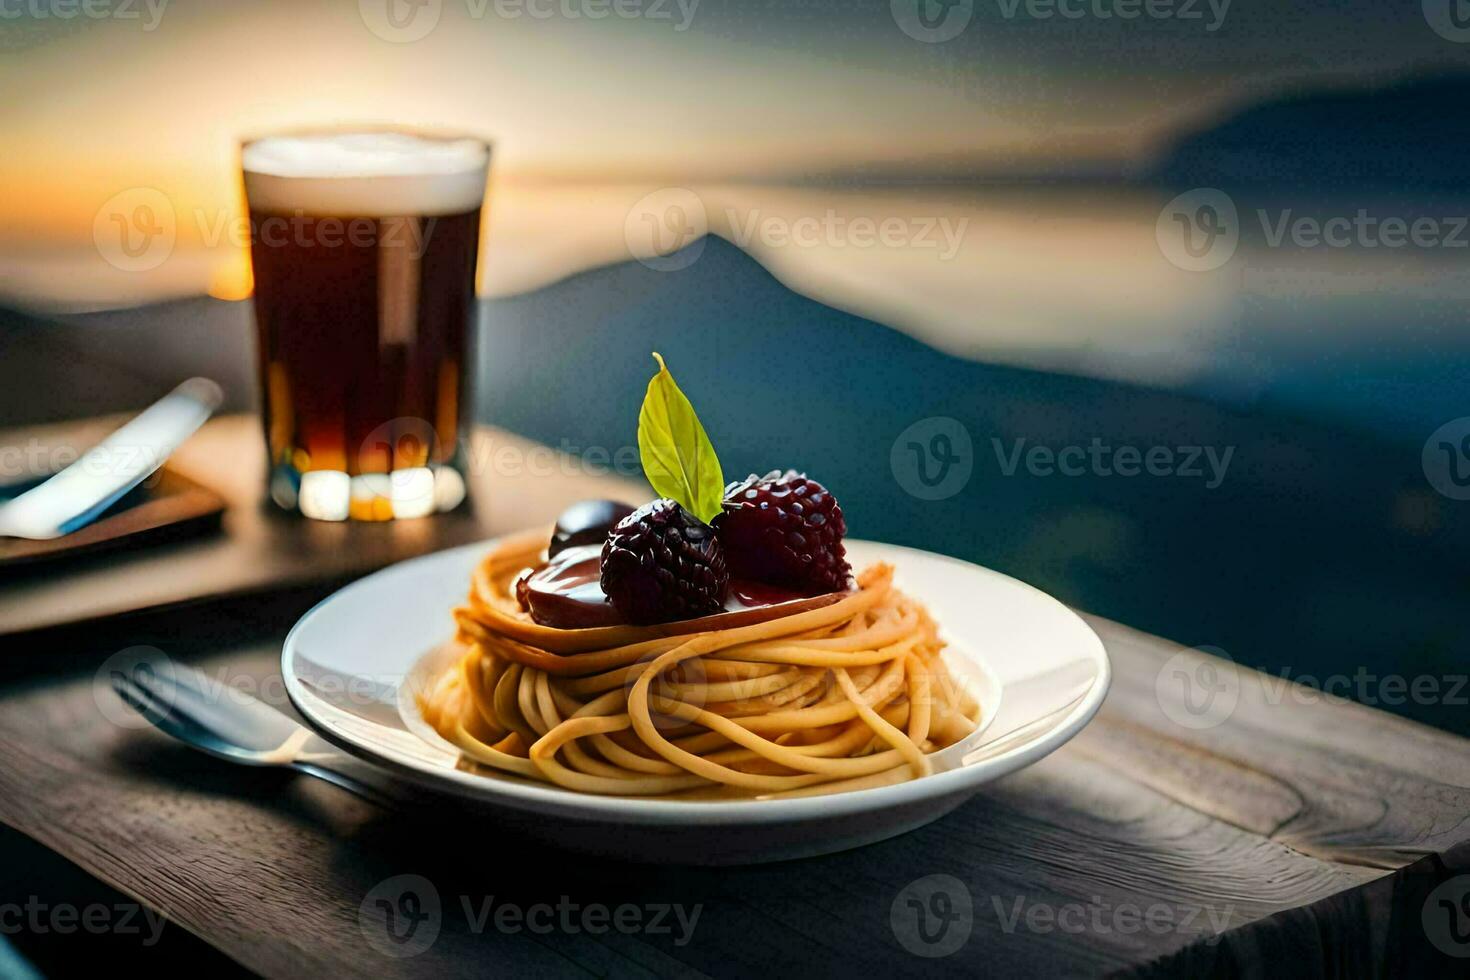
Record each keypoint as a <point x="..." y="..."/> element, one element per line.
<point x="365" y="174"/>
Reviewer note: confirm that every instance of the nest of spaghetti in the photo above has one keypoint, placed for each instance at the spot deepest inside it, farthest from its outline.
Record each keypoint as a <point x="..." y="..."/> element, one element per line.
<point x="842" y="694"/>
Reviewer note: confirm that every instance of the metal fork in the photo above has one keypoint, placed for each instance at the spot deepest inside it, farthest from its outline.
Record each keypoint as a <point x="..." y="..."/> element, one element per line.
<point x="232" y="725"/>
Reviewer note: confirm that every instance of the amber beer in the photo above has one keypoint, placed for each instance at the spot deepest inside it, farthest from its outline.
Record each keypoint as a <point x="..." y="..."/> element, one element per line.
<point x="364" y="249"/>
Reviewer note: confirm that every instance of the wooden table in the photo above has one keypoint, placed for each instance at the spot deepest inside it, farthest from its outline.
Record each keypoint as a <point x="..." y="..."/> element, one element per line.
<point x="263" y="552"/>
<point x="1289" y="832"/>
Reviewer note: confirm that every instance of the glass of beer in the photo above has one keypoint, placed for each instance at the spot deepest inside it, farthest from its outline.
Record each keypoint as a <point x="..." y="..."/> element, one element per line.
<point x="364" y="247"/>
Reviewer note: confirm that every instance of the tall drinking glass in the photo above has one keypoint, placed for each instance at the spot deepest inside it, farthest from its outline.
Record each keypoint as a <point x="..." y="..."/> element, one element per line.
<point x="364" y="249"/>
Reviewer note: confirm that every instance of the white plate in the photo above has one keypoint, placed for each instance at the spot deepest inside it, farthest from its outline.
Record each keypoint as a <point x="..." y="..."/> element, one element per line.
<point x="1038" y="671"/>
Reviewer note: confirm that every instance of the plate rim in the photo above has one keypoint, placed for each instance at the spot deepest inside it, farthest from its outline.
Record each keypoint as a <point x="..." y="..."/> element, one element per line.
<point x="531" y="797"/>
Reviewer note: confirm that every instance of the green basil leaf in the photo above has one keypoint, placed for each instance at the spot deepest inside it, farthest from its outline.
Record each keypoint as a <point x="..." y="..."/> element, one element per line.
<point x="677" y="456"/>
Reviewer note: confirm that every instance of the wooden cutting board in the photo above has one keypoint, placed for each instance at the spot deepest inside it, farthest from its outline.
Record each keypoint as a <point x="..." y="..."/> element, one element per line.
<point x="260" y="551"/>
<point x="168" y="506"/>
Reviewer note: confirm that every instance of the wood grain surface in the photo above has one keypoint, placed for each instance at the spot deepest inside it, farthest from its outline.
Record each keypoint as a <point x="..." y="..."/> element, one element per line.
<point x="168" y="506"/>
<point x="1204" y="799"/>
<point x="1135" y="841"/>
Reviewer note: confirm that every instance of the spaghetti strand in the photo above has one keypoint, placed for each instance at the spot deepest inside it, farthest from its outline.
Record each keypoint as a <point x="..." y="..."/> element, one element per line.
<point x="853" y="692"/>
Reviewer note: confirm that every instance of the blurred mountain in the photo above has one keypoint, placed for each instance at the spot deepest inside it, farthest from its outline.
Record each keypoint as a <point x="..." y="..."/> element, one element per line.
<point x="1312" y="549"/>
<point x="1320" y="548"/>
<point x="1412" y="135"/>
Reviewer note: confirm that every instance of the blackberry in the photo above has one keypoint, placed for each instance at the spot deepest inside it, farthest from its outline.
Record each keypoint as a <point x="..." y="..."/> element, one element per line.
<point x="784" y="529"/>
<point x="661" y="563"/>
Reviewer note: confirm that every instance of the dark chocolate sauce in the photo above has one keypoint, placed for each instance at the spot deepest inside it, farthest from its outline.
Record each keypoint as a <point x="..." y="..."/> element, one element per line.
<point x="745" y="594"/>
<point x="566" y="592"/>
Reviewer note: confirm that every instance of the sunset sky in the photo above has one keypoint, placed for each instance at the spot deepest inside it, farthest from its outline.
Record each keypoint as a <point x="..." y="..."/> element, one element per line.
<point x="155" y="94"/>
